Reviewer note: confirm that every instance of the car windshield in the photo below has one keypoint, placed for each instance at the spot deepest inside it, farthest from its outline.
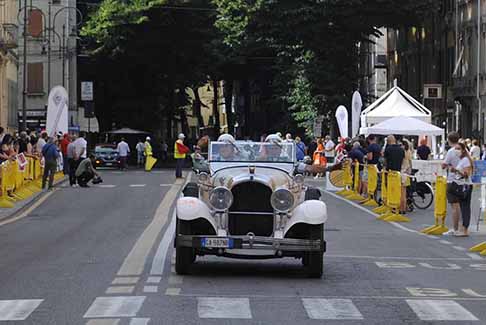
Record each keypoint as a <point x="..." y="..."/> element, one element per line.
<point x="105" y="150"/>
<point x="243" y="151"/>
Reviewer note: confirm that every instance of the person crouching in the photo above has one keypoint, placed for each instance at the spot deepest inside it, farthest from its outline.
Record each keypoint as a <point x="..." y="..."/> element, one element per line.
<point x="85" y="171"/>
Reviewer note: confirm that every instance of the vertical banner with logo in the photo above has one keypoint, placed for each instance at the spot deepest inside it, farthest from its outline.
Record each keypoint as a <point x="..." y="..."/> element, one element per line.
<point x="342" y="121"/>
<point x="357" y="104"/>
<point x="57" y="111"/>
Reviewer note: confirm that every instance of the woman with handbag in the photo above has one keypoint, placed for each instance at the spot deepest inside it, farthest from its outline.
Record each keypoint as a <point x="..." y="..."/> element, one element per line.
<point x="462" y="186"/>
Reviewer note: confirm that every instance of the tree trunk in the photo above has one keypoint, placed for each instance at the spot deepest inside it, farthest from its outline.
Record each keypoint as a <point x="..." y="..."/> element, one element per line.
<point x="196" y="108"/>
<point x="228" y="100"/>
<point x="217" y="125"/>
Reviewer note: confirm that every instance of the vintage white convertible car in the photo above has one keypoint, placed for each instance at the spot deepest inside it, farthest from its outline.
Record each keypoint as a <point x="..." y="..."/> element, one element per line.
<point x="252" y="205"/>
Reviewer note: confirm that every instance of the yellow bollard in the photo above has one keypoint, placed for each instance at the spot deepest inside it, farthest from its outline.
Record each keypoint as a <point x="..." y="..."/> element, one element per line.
<point x="355" y="196"/>
<point x="4" y="201"/>
<point x="394" y="195"/>
<point x="478" y="248"/>
<point x="347" y="179"/>
<point x="372" y="186"/>
<point x="440" y="208"/>
<point x="383" y="208"/>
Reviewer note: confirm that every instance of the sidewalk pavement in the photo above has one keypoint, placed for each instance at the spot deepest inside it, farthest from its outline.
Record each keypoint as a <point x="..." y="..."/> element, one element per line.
<point x="24" y="204"/>
<point x="421" y="219"/>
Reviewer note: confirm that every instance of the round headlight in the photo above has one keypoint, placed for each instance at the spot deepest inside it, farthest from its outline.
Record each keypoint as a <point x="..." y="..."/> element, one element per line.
<point x="220" y="198"/>
<point x="203" y="177"/>
<point x="299" y="179"/>
<point x="282" y="200"/>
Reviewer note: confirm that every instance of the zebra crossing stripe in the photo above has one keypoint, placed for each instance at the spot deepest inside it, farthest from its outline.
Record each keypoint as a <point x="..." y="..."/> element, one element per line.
<point x="440" y="310"/>
<point x="12" y="310"/>
<point x="115" y="307"/>
<point x="331" y="309"/>
<point x="212" y="307"/>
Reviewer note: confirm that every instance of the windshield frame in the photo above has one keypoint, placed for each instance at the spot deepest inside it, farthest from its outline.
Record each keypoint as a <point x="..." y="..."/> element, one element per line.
<point x="241" y="144"/>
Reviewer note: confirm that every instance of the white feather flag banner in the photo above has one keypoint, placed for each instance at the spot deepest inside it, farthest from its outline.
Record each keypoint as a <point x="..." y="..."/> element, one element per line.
<point x="357" y="105"/>
<point x="57" y="111"/>
<point x="342" y="121"/>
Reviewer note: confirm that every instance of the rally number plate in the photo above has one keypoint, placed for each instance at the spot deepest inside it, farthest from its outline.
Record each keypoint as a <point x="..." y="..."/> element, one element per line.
<point x="217" y="242"/>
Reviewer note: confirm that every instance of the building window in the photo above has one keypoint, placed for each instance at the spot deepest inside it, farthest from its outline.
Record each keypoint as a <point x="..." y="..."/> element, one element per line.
<point x="35" y="78"/>
<point x="35" y="23"/>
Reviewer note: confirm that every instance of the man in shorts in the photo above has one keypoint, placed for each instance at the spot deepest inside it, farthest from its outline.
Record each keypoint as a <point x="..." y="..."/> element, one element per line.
<point x="451" y="160"/>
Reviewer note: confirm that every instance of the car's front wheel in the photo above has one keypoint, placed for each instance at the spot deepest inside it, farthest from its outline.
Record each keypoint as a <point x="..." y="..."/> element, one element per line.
<point x="314" y="261"/>
<point x="185" y="256"/>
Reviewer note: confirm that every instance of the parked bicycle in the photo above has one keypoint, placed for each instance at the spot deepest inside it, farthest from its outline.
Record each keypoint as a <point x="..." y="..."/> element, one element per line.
<point x="420" y="195"/>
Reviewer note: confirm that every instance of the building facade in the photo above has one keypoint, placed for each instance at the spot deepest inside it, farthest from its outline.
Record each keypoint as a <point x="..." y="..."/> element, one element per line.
<point x="441" y="62"/>
<point x="50" y="52"/>
<point x="8" y="64"/>
<point x="373" y="67"/>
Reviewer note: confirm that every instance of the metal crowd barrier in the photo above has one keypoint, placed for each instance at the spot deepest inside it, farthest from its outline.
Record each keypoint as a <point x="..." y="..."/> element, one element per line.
<point x="19" y="181"/>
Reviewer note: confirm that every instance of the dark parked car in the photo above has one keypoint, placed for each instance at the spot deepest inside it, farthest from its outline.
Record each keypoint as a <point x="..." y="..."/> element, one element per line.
<point x="106" y="156"/>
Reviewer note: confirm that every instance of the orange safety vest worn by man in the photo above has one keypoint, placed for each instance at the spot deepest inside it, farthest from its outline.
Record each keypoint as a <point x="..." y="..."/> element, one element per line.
<point x="180" y="151"/>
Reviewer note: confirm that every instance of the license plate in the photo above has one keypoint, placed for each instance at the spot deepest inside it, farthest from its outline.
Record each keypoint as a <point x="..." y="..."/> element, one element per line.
<point x="108" y="164"/>
<point x="217" y="242"/>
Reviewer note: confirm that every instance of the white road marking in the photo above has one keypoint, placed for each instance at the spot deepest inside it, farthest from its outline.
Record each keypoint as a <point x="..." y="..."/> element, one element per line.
<point x="158" y="262"/>
<point x="115" y="307"/>
<point x="154" y="279"/>
<point x="120" y="290"/>
<point x="410" y="258"/>
<point x="431" y="292"/>
<point x="135" y="261"/>
<point x="212" y="307"/>
<point x="176" y="279"/>
<point x="138" y="185"/>
<point x="139" y="321"/>
<point x="394" y="265"/>
<point x="473" y="293"/>
<point x="11" y="310"/>
<point x="440" y="310"/>
<point x="474" y="256"/>
<point x="459" y="248"/>
<point x="448" y="267"/>
<point x="127" y="280"/>
<point x="336" y="309"/>
<point x="150" y="289"/>
<point x="165" y="185"/>
<point x="104" y="186"/>
<point x="103" y="321"/>
<point x="173" y="291"/>
<point x="445" y="242"/>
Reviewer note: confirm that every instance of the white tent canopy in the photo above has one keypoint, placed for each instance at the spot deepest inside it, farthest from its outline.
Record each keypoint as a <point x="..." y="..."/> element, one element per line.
<point x="403" y="125"/>
<point x="396" y="102"/>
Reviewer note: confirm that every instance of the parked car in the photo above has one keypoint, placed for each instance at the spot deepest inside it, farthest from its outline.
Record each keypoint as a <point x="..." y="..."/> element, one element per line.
<point x="252" y="204"/>
<point x="106" y="156"/>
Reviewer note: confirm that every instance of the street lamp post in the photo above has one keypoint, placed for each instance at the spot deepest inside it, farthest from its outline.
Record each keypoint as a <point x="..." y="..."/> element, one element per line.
<point x="24" y="90"/>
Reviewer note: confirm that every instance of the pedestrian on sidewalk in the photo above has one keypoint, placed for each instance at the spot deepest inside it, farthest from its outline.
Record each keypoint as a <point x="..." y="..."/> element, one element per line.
<point x="405" y="171"/>
<point x="300" y="149"/>
<point x="140" y="153"/>
<point x="123" y="150"/>
<point x="450" y="163"/>
<point x="180" y="151"/>
<point x="85" y="171"/>
<point x="72" y="162"/>
<point x="165" y="150"/>
<point x="66" y="140"/>
<point x="50" y="154"/>
<point x="463" y="186"/>
<point x="475" y="150"/>
<point x="329" y="149"/>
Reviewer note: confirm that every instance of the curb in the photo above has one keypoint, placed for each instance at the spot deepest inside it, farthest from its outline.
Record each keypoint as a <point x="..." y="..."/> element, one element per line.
<point x="29" y="202"/>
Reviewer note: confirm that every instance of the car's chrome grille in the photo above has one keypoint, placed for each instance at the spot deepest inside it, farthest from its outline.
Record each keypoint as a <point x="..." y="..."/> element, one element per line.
<point x="251" y="210"/>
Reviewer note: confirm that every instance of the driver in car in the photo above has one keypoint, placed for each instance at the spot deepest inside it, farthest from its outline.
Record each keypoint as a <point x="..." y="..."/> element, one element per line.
<point x="227" y="151"/>
<point x="274" y="153"/>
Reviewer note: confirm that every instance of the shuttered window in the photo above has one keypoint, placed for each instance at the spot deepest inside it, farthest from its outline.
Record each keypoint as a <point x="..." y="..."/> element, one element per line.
<point x="35" y="23"/>
<point x="35" y="75"/>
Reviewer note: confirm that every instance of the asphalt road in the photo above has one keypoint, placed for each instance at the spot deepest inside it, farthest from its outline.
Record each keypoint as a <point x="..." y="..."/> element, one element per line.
<point x="104" y="256"/>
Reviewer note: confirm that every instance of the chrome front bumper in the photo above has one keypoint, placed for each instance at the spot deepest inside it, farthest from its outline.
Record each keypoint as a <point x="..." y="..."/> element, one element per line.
<point x="258" y="243"/>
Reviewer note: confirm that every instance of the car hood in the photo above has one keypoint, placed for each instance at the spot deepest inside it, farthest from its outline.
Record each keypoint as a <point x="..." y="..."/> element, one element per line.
<point x="272" y="177"/>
